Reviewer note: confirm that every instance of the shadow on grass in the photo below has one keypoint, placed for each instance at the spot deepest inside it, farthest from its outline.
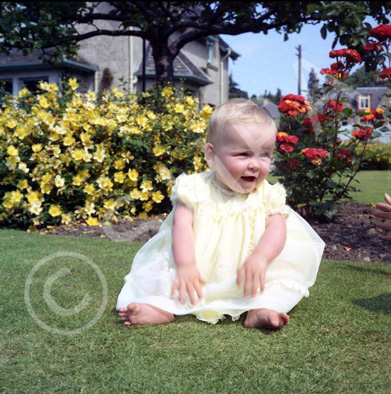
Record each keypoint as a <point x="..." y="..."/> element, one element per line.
<point x="380" y="303"/>
<point x="365" y="268"/>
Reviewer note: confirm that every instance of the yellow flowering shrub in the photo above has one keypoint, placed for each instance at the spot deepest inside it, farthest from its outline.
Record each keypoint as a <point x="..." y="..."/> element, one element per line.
<point x="65" y="156"/>
<point x="378" y="156"/>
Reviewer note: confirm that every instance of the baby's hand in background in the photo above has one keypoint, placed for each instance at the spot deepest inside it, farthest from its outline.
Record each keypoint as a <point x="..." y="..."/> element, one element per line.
<point x="188" y="279"/>
<point x="253" y="270"/>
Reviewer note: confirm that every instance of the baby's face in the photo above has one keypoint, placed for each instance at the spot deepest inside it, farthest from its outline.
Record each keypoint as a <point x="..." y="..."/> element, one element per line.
<point x="241" y="156"/>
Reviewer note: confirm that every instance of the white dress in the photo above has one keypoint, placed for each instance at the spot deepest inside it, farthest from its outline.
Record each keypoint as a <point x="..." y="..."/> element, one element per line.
<point x="227" y="227"/>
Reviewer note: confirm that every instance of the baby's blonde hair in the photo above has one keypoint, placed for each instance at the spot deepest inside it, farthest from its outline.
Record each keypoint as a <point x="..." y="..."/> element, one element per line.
<point x="237" y="110"/>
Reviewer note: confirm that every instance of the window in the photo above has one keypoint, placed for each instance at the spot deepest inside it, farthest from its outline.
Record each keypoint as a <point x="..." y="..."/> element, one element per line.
<point x="32" y="83"/>
<point x="364" y="101"/>
<point x="211" y="58"/>
<point x="5" y="87"/>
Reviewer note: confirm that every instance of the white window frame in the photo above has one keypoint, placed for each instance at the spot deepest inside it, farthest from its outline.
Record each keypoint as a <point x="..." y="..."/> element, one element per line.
<point x="364" y="101"/>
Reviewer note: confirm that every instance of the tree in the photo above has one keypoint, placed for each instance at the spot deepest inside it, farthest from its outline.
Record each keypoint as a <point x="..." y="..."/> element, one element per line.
<point x="234" y="90"/>
<point x="363" y="78"/>
<point x="170" y="25"/>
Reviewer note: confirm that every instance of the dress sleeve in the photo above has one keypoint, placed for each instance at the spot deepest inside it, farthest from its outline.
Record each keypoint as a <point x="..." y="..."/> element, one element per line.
<point x="184" y="190"/>
<point x="275" y="199"/>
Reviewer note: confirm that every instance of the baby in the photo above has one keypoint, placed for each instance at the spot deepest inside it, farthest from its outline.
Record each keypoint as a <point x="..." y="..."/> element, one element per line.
<point x="230" y="244"/>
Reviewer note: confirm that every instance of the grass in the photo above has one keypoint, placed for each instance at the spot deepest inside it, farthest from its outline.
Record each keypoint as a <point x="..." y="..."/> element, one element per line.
<point x="373" y="185"/>
<point x="339" y="339"/>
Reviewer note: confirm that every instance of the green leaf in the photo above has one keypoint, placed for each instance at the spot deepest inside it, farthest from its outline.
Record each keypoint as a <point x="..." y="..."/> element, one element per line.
<point x="323" y="31"/>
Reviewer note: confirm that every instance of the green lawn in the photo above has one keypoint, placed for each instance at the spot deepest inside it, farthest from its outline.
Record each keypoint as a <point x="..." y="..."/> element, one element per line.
<point x="373" y="185"/>
<point x="339" y="339"/>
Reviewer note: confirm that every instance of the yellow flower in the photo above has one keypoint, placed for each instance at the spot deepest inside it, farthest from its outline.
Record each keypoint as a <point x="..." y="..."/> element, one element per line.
<point x="11" y="124"/>
<point x="87" y="156"/>
<point x="166" y="92"/>
<point x="24" y="92"/>
<point x="119" y="177"/>
<point x="23" y="167"/>
<point x="90" y="95"/>
<point x="23" y="184"/>
<point x="147" y="206"/>
<point x="158" y="150"/>
<point x="134" y="130"/>
<point x="89" y="189"/>
<point x="133" y="175"/>
<point x="146" y="185"/>
<point x="90" y="208"/>
<point x="43" y="102"/>
<point x="69" y="140"/>
<point x="55" y="210"/>
<point x="117" y="93"/>
<point x="46" y="188"/>
<point x="37" y="148"/>
<point x="58" y="181"/>
<point x="66" y="218"/>
<point x="179" y="108"/>
<point x="143" y="215"/>
<point x="379" y="111"/>
<point x="32" y="229"/>
<point x="110" y="204"/>
<point x="164" y="173"/>
<point x="190" y="100"/>
<point x="105" y="183"/>
<point x="99" y="156"/>
<point x="157" y="196"/>
<point x="135" y="194"/>
<point x="92" y="221"/>
<point x="77" y="154"/>
<point x="73" y="83"/>
<point x="12" y="151"/>
<point x="142" y="120"/>
<point x="21" y="132"/>
<point x="119" y="164"/>
<point x="35" y="208"/>
<point x="77" y="180"/>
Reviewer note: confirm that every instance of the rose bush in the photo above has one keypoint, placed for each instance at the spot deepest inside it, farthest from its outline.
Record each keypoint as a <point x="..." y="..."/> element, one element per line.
<point x="314" y="165"/>
<point x="66" y="156"/>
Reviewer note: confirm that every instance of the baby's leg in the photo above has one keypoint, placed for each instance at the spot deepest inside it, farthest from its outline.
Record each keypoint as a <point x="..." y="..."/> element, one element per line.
<point x="266" y="318"/>
<point x="144" y="314"/>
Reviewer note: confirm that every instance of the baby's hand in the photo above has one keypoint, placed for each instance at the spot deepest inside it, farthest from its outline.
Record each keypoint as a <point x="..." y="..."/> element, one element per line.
<point x="253" y="270"/>
<point x="188" y="280"/>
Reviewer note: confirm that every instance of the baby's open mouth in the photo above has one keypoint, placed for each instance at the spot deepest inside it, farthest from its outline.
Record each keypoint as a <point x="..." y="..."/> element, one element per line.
<point x="250" y="179"/>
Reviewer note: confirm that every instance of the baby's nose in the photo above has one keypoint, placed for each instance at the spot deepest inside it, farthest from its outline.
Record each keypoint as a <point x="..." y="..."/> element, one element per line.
<point x="255" y="163"/>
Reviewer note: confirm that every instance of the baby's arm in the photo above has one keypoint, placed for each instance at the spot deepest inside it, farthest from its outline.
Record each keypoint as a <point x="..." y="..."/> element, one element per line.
<point x="188" y="277"/>
<point x="268" y="248"/>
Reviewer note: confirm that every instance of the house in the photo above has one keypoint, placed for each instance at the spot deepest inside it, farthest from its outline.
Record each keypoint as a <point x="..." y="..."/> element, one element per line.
<point x="107" y="62"/>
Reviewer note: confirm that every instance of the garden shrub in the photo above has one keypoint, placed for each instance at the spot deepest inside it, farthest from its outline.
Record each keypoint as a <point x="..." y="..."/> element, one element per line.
<point x="66" y="156"/>
<point x="378" y="156"/>
<point x="311" y="161"/>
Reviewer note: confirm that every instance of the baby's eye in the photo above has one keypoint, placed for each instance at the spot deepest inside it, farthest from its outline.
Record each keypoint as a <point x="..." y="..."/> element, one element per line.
<point x="265" y="154"/>
<point x="243" y="154"/>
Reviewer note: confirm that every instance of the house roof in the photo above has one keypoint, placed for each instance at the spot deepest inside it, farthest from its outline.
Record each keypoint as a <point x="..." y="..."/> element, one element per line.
<point x="377" y="94"/>
<point x="225" y="47"/>
<point x="272" y="110"/>
<point x="183" y="68"/>
<point x="17" y="61"/>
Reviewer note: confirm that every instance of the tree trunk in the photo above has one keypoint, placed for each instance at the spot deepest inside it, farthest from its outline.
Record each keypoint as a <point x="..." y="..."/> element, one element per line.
<point x="164" y="62"/>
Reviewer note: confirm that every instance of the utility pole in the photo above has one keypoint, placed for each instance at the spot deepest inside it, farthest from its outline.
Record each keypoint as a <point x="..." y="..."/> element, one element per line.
<point x="299" y="56"/>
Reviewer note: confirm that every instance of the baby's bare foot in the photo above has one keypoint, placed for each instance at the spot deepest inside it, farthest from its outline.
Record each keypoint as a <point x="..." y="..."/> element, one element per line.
<point x="144" y="314"/>
<point x="266" y="318"/>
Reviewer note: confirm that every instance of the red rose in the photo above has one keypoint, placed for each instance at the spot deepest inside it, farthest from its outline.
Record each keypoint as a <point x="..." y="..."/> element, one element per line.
<point x="315" y="155"/>
<point x="363" y="134"/>
<point x="373" y="46"/>
<point x="381" y="32"/>
<point x="286" y="148"/>
<point x="345" y="155"/>
<point x="314" y="120"/>
<point x="293" y="104"/>
<point x="333" y="105"/>
<point x="386" y="73"/>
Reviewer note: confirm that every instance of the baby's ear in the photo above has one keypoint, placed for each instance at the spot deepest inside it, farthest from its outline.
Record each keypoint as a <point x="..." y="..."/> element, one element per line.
<point x="210" y="154"/>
